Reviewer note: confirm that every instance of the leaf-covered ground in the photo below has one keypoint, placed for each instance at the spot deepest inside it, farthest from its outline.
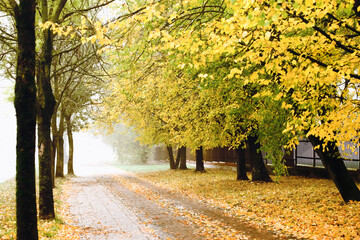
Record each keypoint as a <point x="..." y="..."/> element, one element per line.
<point x="55" y="229"/>
<point x="304" y="207"/>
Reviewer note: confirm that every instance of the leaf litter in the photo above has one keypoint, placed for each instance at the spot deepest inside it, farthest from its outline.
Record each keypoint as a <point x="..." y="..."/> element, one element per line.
<point x="298" y="206"/>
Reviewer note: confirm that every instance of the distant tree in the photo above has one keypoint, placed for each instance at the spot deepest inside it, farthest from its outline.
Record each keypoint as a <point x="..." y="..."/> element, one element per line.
<point x="171" y="157"/>
<point x="126" y="145"/>
<point x="199" y="160"/>
<point x="69" y="131"/>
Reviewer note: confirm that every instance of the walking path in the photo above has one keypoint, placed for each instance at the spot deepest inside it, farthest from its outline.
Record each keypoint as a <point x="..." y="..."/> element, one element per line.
<point x="121" y="206"/>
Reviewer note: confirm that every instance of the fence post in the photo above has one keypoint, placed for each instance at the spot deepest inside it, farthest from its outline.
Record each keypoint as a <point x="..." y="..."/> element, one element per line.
<point x="314" y="161"/>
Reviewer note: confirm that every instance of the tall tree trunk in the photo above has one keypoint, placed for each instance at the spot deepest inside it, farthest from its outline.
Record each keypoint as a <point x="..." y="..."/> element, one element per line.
<point x="199" y="160"/>
<point x="171" y="157"/>
<point x="182" y="154"/>
<point x="25" y="106"/>
<point x="334" y="164"/>
<point x="54" y="129"/>
<point x="241" y="165"/>
<point x="53" y="145"/>
<point x="46" y="107"/>
<point x="60" y="148"/>
<point x="177" y="161"/>
<point x="47" y="103"/>
<point x="258" y="168"/>
<point x="71" y="144"/>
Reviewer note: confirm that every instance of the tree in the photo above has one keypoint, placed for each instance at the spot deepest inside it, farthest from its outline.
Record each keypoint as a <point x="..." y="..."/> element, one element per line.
<point x="263" y="44"/>
<point x="241" y="165"/>
<point x="181" y="158"/>
<point x="25" y="97"/>
<point x="127" y="147"/>
<point x="258" y="168"/>
<point x="53" y="12"/>
<point x="69" y="131"/>
<point x="171" y="157"/>
<point x="199" y="160"/>
<point x="278" y="70"/>
<point x="46" y="104"/>
<point x="60" y="146"/>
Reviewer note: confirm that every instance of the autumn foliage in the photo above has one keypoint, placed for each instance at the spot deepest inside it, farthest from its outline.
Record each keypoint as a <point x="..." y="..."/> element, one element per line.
<point x="211" y="73"/>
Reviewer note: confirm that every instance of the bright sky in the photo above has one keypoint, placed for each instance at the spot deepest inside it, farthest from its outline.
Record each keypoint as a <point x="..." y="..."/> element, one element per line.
<point x="89" y="150"/>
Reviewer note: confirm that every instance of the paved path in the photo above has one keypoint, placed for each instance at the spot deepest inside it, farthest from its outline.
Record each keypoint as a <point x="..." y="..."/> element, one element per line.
<point x="122" y="206"/>
<point x="101" y="213"/>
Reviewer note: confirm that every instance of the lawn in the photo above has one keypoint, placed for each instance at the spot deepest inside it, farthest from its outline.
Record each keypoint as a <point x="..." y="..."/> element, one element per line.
<point x="305" y="207"/>
<point x="140" y="167"/>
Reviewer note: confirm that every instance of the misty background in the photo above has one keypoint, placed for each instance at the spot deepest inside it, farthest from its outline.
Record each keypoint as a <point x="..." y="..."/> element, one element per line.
<point x="89" y="150"/>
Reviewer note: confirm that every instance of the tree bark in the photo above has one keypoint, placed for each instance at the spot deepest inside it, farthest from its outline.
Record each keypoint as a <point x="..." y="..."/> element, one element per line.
<point x="177" y="162"/>
<point x="71" y="145"/>
<point x="53" y="144"/>
<point x="258" y="168"/>
<point x="199" y="160"/>
<point x="60" y="148"/>
<point x="46" y="101"/>
<point x="25" y="106"/>
<point x="182" y="156"/>
<point x="171" y="157"/>
<point x="241" y="165"/>
<point x="334" y="164"/>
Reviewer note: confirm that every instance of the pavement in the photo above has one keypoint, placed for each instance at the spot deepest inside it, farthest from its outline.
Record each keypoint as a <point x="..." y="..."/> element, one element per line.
<point x="108" y="203"/>
<point x="101" y="213"/>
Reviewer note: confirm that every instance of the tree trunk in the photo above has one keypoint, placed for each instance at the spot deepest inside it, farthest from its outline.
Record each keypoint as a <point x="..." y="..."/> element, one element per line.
<point x="171" y="157"/>
<point x="199" y="160"/>
<point x="177" y="162"/>
<point x="53" y="146"/>
<point x="60" y="148"/>
<point x="182" y="155"/>
<point x="258" y="168"/>
<point x="334" y="164"/>
<point x="25" y="106"/>
<point x="241" y="165"/>
<point x="46" y="107"/>
<point x="71" y="145"/>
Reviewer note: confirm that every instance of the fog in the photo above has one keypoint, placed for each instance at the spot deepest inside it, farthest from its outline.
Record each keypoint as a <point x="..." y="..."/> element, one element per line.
<point x="7" y="133"/>
<point x="89" y="150"/>
<point x="90" y="154"/>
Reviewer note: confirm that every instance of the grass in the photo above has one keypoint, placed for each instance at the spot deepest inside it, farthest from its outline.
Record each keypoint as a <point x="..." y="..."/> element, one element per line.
<point x="304" y="207"/>
<point x="48" y="229"/>
<point x="137" y="168"/>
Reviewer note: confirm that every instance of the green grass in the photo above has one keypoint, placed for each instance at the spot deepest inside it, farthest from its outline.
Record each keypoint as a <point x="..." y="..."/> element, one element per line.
<point x="138" y="168"/>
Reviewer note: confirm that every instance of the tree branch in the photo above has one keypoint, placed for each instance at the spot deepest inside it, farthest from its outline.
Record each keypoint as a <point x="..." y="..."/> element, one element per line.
<point x="319" y="62"/>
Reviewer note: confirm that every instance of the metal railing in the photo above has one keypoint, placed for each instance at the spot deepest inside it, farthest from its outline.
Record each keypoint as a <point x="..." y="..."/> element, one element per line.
<point x="304" y="155"/>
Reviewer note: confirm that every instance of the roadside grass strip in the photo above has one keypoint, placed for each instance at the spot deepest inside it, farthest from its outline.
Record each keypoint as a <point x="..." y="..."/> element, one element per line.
<point x="303" y="207"/>
<point x="48" y="229"/>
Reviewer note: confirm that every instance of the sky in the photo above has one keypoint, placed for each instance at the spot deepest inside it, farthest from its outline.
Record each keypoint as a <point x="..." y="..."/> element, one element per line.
<point x="89" y="150"/>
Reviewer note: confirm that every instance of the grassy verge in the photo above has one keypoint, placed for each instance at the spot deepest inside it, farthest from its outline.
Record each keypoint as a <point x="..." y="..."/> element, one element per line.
<point x="140" y="167"/>
<point x="304" y="207"/>
<point x="47" y="229"/>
